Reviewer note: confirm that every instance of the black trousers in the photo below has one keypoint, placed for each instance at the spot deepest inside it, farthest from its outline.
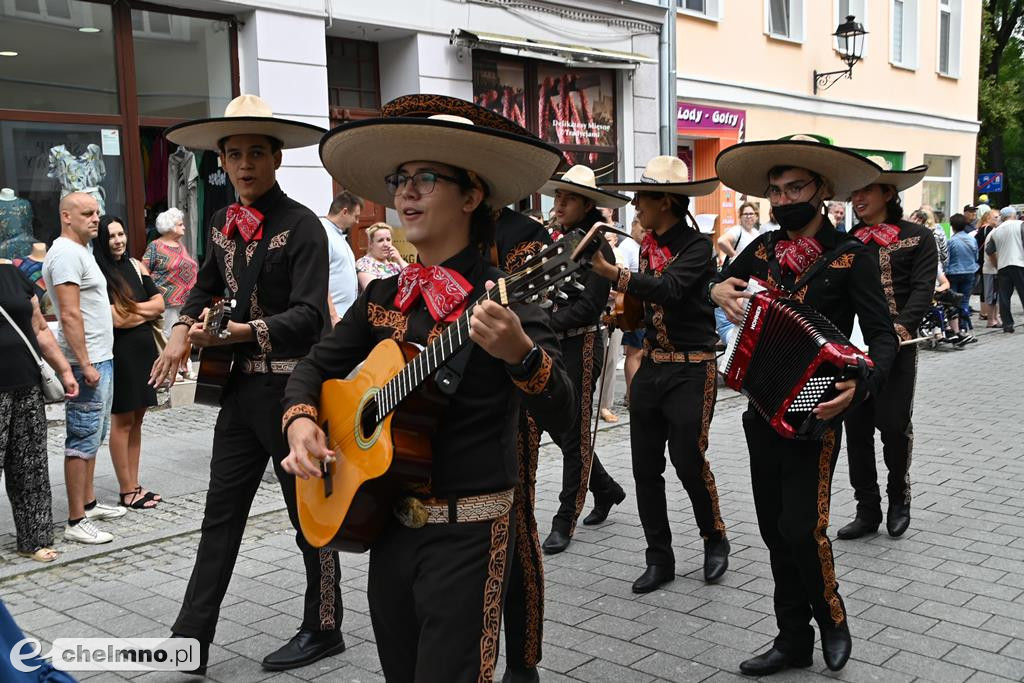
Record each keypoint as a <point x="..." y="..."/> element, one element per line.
<point x="792" y="484"/>
<point x="673" y="403"/>
<point x="1010" y="278"/>
<point x="583" y="358"/>
<point x="247" y="434"/>
<point x="435" y="597"/>
<point x="524" y="601"/>
<point x="890" y="413"/>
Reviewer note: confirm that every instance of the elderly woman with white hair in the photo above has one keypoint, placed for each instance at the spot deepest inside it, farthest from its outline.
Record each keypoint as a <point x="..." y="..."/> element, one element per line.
<point x="170" y="265"/>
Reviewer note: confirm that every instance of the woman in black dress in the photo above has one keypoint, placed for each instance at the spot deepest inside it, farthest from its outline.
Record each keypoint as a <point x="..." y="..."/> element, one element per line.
<point x="136" y="301"/>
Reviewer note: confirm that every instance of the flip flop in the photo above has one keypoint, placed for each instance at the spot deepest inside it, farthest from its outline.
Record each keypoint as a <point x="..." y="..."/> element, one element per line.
<point x="41" y="555"/>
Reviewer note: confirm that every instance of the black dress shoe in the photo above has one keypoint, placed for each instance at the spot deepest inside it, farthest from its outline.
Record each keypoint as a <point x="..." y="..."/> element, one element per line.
<point x="304" y="648"/>
<point x="555" y="543"/>
<point x="836" y="645"/>
<point x="514" y="674"/>
<point x="204" y="657"/>
<point x="603" y="505"/>
<point x="898" y="519"/>
<point x="773" y="661"/>
<point x="857" y="528"/>
<point x="716" y="558"/>
<point x="653" y="577"/>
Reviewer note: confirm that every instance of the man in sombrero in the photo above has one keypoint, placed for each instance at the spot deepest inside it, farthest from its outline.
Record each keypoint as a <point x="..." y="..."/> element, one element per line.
<point x="791" y="479"/>
<point x="672" y="397"/>
<point x="576" y="317"/>
<point x="270" y="254"/>
<point x="907" y="258"/>
<point x="435" y="589"/>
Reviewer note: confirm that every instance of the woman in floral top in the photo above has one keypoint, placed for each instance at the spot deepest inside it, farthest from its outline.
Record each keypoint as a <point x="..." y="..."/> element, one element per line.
<point x="170" y="265"/>
<point x="382" y="259"/>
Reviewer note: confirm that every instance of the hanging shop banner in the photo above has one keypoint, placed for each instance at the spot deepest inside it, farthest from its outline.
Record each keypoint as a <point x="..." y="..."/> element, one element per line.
<point x="576" y="107"/>
<point x="500" y="86"/>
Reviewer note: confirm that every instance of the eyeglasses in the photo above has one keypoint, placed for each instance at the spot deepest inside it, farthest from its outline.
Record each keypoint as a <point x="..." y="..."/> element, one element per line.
<point x="422" y="182"/>
<point x="792" y="191"/>
<point x="748" y="215"/>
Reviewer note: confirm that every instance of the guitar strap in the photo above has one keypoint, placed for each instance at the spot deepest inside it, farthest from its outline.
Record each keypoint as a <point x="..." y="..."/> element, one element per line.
<point x="449" y="376"/>
<point x="844" y="246"/>
<point x="247" y="281"/>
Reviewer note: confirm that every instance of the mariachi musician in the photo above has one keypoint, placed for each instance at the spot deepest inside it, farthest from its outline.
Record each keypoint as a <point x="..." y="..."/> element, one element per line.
<point x="576" y="319"/>
<point x="672" y="397"/>
<point x="436" y="585"/>
<point x="275" y="249"/>
<point x="907" y="258"/>
<point x="792" y="479"/>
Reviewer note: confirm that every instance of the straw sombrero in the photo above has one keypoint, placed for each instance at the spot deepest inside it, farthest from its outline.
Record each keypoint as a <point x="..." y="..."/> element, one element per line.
<point x="580" y="180"/>
<point x="244" y="115"/>
<point x="667" y="174"/>
<point x="512" y="162"/>
<point x="744" y="167"/>
<point x="901" y="180"/>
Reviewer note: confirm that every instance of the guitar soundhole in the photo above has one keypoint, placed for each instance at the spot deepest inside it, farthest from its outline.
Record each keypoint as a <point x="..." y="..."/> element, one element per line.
<point x="368" y="419"/>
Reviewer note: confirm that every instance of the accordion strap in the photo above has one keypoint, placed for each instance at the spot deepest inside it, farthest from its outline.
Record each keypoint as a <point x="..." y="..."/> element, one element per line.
<point x="844" y="246"/>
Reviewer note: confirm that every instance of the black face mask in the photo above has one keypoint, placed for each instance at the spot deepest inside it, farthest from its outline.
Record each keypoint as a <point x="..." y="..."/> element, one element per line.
<point x="794" y="217"/>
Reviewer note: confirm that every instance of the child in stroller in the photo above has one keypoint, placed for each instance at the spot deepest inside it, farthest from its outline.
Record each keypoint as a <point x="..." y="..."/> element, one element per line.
<point x="942" y="322"/>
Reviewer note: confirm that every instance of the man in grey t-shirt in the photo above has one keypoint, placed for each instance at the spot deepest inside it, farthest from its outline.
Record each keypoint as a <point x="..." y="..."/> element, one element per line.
<point x="79" y="293"/>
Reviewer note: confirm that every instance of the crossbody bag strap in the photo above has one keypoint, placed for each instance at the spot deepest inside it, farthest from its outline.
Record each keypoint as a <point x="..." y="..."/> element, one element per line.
<point x="823" y="262"/>
<point x="21" y="334"/>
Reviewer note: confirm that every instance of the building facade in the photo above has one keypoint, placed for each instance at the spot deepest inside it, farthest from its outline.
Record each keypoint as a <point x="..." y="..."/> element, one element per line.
<point x="745" y="72"/>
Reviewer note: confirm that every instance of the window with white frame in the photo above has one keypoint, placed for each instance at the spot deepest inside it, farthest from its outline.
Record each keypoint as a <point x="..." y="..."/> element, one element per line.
<point x="858" y="9"/>
<point x="784" y="19"/>
<point x="939" y="186"/>
<point x="950" y="25"/>
<point x="706" y="9"/>
<point x="903" y="20"/>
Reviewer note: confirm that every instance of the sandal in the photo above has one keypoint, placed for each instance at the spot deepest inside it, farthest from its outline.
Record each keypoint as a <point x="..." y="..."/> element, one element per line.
<point x="41" y="555"/>
<point x="608" y="416"/>
<point x="140" y="501"/>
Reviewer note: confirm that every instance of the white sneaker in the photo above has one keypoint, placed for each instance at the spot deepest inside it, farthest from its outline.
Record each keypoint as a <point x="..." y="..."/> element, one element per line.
<point x="101" y="511"/>
<point x="86" y="532"/>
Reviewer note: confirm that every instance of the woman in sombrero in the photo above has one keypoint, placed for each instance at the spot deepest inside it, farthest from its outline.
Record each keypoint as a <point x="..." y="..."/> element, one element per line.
<point x="435" y="592"/>
<point x="792" y="480"/>
<point x="672" y="397"/>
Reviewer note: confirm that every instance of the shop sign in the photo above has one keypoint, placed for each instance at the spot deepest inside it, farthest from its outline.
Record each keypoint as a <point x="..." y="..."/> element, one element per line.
<point x="691" y="116"/>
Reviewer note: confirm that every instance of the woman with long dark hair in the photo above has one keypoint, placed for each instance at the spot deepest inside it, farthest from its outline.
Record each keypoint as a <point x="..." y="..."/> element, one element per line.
<point x="135" y="301"/>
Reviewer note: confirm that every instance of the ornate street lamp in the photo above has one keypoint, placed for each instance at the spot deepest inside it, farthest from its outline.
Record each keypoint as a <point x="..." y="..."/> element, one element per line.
<point x="850" y="36"/>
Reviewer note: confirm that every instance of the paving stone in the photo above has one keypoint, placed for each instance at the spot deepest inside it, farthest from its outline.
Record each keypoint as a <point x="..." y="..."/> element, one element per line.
<point x="899" y="618"/>
<point x="913" y="642"/>
<point x="674" y="668"/>
<point x="982" y="640"/>
<point x="928" y="669"/>
<point x="613" y="650"/>
<point x="986" y="661"/>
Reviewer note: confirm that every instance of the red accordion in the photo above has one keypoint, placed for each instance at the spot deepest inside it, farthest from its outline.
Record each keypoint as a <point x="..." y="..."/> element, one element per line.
<point x="787" y="359"/>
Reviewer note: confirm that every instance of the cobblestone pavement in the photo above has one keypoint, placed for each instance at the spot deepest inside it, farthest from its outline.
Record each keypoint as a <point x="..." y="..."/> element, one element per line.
<point x="943" y="603"/>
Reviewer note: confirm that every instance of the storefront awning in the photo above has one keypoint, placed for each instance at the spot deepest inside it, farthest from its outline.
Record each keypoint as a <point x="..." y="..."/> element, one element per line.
<point x="570" y="55"/>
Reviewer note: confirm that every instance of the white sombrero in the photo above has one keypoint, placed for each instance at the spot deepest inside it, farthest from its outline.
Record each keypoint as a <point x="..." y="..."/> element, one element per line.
<point x="901" y="180"/>
<point x="244" y="115"/>
<point x="667" y="174"/>
<point x="744" y="167"/>
<point x="447" y="130"/>
<point x="580" y="180"/>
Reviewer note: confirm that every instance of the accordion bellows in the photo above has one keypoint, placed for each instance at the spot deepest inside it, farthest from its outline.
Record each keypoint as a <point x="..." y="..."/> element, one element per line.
<point x="786" y="359"/>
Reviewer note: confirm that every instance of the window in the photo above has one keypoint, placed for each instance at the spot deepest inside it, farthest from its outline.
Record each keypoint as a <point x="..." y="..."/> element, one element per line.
<point x="859" y="10"/>
<point x="950" y="22"/>
<point x="939" y="187"/>
<point x="352" y="74"/>
<point x="706" y="9"/>
<point x="903" y="19"/>
<point x="784" y="19"/>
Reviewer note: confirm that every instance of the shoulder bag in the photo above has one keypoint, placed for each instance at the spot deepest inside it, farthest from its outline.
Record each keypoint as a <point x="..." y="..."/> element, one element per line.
<point x="53" y="390"/>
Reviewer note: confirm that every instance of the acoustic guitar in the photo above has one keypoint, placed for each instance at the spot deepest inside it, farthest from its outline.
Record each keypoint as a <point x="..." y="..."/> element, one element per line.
<point x="215" y="361"/>
<point x="379" y="421"/>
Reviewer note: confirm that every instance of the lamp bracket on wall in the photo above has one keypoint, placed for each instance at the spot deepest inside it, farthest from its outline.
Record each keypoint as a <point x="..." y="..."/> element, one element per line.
<point x="826" y="79"/>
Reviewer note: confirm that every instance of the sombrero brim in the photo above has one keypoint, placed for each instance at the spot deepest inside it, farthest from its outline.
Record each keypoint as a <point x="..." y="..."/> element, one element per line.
<point x="602" y="198"/>
<point x="902" y="180"/>
<point x="694" y="188"/>
<point x="360" y="154"/>
<point x="206" y="133"/>
<point x="745" y="167"/>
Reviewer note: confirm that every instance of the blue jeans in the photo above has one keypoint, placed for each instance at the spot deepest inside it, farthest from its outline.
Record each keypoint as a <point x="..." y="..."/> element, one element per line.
<point x="88" y="414"/>
<point x="963" y="284"/>
<point x="722" y="325"/>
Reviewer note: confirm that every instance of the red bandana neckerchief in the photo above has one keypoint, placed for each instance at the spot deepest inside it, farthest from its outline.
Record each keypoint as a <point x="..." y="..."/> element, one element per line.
<point x="796" y="255"/>
<point x="443" y="290"/>
<point x="883" y="234"/>
<point x="657" y="256"/>
<point x="247" y="220"/>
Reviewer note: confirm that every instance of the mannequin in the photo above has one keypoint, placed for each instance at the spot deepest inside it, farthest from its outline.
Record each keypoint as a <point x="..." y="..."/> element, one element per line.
<point x="7" y="195"/>
<point x="15" y="224"/>
<point x="38" y="251"/>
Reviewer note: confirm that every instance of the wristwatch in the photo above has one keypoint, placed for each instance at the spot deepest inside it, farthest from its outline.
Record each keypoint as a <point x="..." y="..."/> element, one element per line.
<point x="525" y="369"/>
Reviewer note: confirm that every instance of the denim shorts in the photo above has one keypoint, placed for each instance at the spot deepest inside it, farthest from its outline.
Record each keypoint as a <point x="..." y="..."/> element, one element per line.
<point x="88" y="414"/>
<point x="634" y="338"/>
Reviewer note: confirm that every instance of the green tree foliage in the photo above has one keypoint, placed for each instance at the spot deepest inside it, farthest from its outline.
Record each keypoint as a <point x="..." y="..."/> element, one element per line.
<point x="1001" y="95"/>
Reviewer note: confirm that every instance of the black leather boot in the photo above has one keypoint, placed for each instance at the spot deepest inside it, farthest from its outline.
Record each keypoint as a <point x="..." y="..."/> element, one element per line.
<point x="304" y="648"/>
<point x="773" y="661"/>
<point x="204" y="657"/>
<point x="555" y="543"/>
<point x="857" y="528"/>
<point x="603" y="505"/>
<point x="898" y="519"/>
<point x="836" y="645"/>
<point x="716" y="558"/>
<point x="514" y="674"/>
<point x="653" y="577"/>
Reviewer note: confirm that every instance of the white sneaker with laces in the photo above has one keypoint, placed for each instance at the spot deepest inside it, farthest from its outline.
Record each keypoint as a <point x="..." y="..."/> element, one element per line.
<point x="101" y="511"/>
<point x="86" y="532"/>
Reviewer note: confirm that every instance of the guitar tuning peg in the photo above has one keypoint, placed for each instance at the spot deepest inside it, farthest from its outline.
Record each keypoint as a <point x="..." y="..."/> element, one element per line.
<point x="576" y="284"/>
<point x="561" y="296"/>
<point x="545" y="304"/>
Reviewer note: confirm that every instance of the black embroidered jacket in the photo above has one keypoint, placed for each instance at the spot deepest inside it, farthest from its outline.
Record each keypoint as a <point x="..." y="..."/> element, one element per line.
<point x="517" y="238"/>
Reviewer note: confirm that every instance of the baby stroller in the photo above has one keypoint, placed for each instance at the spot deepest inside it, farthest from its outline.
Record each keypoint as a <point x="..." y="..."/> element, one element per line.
<point x="936" y="327"/>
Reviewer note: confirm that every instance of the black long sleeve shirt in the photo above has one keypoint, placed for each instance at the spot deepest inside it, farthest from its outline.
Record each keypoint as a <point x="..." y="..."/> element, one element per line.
<point x="677" y="316"/>
<point x="908" y="268"/>
<point x="474" y="448"/>
<point x="849" y="286"/>
<point x="288" y="306"/>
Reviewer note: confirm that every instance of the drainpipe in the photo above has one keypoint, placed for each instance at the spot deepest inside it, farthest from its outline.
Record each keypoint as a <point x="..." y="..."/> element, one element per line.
<point x="667" y="90"/>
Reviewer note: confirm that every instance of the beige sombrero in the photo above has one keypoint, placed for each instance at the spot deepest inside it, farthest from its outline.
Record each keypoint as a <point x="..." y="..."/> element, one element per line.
<point x="744" y="167"/>
<point x="580" y="180"/>
<point x="667" y="174"/>
<point x="448" y="130"/>
<point x="901" y="180"/>
<point x="244" y="115"/>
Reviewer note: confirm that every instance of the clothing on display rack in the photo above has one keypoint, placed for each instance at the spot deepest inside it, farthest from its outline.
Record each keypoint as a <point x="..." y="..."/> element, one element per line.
<point x="82" y="173"/>
<point x="157" y="174"/>
<point x="15" y="225"/>
<point x="183" y="193"/>
<point x="215" y="192"/>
